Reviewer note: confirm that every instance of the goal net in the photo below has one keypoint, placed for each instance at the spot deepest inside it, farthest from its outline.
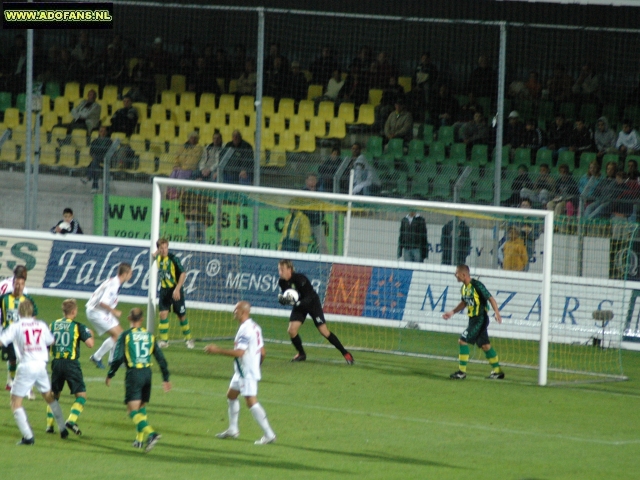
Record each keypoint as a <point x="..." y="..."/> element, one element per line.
<point x="560" y="285"/>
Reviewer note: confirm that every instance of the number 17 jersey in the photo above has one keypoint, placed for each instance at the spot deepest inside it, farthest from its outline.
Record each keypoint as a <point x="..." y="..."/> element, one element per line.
<point x="30" y="338"/>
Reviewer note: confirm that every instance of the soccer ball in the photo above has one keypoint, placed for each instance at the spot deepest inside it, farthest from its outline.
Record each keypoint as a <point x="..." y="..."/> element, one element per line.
<point x="64" y="226"/>
<point x="291" y="294"/>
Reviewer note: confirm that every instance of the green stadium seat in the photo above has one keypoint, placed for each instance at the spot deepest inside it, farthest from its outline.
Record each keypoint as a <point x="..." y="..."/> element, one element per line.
<point x="458" y="153"/>
<point x="544" y="155"/>
<point x="5" y="101"/>
<point x="479" y="155"/>
<point x="374" y="147"/>
<point x="567" y="158"/>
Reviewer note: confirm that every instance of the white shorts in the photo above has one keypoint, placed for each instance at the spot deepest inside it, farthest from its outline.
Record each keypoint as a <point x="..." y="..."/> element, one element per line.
<point x="246" y="386"/>
<point x="101" y="320"/>
<point x="28" y="375"/>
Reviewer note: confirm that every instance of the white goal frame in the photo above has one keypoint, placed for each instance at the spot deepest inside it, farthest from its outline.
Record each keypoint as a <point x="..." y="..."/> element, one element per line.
<point x="547" y="215"/>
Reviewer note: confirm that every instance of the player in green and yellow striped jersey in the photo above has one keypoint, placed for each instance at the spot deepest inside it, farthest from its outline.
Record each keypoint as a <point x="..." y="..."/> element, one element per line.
<point x="9" y="304"/>
<point x="171" y="276"/>
<point x="475" y="297"/>
<point x="134" y="348"/>
<point x="65" y="366"/>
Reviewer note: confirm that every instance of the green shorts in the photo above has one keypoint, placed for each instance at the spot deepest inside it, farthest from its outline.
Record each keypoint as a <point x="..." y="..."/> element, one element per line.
<point x="69" y="371"/>
<point x="476" y="332"/>
<point x="137" y="385"/>
<point x="166" y="302"/>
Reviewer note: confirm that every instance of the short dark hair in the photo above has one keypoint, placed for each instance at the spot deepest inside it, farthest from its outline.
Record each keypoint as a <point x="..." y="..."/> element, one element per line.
<point x="20" y="272"/>
<point x="124" y="268"/>
<point x="135" y="314"/>
<point x="67" y="210"/>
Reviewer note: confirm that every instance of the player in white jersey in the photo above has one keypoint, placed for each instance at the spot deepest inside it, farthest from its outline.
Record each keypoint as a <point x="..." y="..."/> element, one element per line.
<point x="6" y="285"/>
<point x="31" y="339"/>
<point x="102" y="313"/>
<point x="248" y="353"/>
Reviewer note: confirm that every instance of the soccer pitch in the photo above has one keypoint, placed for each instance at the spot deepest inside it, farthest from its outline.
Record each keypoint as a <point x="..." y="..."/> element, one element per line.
<point x="386" y="417"/>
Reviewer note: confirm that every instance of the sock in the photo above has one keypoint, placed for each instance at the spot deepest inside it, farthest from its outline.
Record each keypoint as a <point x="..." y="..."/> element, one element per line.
<point x="463" y="358"/>
<point x="57" y="414"/>
<point x="50" y="418"/>
<point x="333" y="340"/>
<point x="23" y="424"/>
<point x="163" y="329"/>
<point x="492" y="356"/>
<point x="11" y="372"/>
<point x="297" y="342"/>
<point x="186" y="331"/>
<point x="261" y="417"/>
<point x="76" y="409"/>
<point x="140" y="421"/>
<point x="234" y="413"/>
<point x="104" y="348"/>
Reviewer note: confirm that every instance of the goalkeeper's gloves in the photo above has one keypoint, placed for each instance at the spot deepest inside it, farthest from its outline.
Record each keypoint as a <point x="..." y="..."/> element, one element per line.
<point x="283" y="300"/>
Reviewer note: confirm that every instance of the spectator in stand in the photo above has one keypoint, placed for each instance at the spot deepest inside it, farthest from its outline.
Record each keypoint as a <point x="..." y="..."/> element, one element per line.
<point x="519" y="183"/>
<point x="515" y="252"/>
<point x="581" y="138"/>
<point x="533" y="86"/>
<point x="323" y="67"/>
<point x="365" y="181"/>
<point x="628" y="142"/>
<point x="482" y="81"/>
<point x="158" y="59"/>
<point x="68" y="224"/>
<point x="316" y="217"/>
<point x="356" y="88"/>
<point x="530" y="231"/>
<point x="15" y="66"/>
<point x="113" y="67"/>
<point x="532" y="137"/>
<point x="118" y="48"/>
<point x="413" y="245"/>
<point x="426" y="75"/>
<point x="276" y="79"/>
<point x="97" y="150"/>
<point x="187" y="57"/>
<point x="222" y="67"/>
<point x="604" y="138"/>
<point x="559" y="136"/>
<point x="362" y="61"/>
<point x="589" y="181"/>
<point x="515" y="131"/>
<point x="126" y="118"/>
<point x="566" y="192"/>
<point x="390" y="95"/>
<point x="475" y="132"/>
<point x="543" y="187"/>
<point x="210" y="159"/>
<point x="187" y="158"/>
<point x="238" y="61"/>
<point x="469" y="109"/>
<point x="86" y="114"/>
<point x="246" y="84"/>
<point x="384" y="70"/>
<point x="602" y="194"/>
<point x="587" y="86"/>
<point x="333" y="86"/>
<point x="399" y="124"/>
<point x="329" y="168"/>
<point x="143" y="81"/>
<point x="81" y="50"/>
<point x="627" y="202"/>
<point x="200" y="80"/>
<point x="609" y="190"/>
<point x="298" y="85"/>
<point x="632" y="170"/>
<point x="416" y="102"/>
<point x="443" y="109"/>
<point x="560" y="85"/>
<point x="275" y="52"/>
<point x="240" y="165"/>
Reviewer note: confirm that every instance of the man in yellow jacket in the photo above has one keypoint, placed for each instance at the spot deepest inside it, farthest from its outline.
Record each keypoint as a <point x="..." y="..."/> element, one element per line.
<point x="515" y="252"/>
<point x="296" y="232"/>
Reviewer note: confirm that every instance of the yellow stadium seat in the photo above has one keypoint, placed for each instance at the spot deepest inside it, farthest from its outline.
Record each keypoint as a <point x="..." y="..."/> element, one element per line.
<point x="287" y="141"/>
<point x="8" y="152"/>
<point x="220" y="82"/>
<point x="267" y="140"/>
<point x="158" y="113"/>
<point x="286" y="107"/>
<point x="165" y="165"/>
<point x="277" y="158"/>
<point x="237" y="119"/>
<point x="326" y="111"/>
<point x="226" y="132"/>
<point x="198" y="117"/>
<point x="120" y="136"/>
<point x="179" y="114"/>
<point x="188" y="101"/>
<point x="48" y="155"/>
<point x="247" y="104"/>
<point x="79" y="137"/>
<point x="218" y="119"/>
<point x="233" y="86"/>
<point x="72" y="91"/>
<point x="227" y="103"/>
<point x="167" y="131"/>
<point x="307" y="143"/>
<point x="276" y="123"/>
<point x="306" y="109"/>
<point x="90" y="86"/>
<point x="61" y="106"/>
<point x="148" y="130"/>
<point x="137" y="143"/>
<point x="44" y="137"/>
<point x="19" y="134"/>
<point x="142" y="109"/>
<point x="178" y="83"/>
<point x="85" y="157"/>
<point x="168" y="99"/>
<point x="206" y="134"/>
<point x="147" y="164"/>
<point x="109" y="94"/>
<point x="58" y="133"/>
<point x="308" y="75"/>
<point x="67" y="156"/>
<point x="49" y="120"/>
<point x="318" y="127"/>
<point x="346" y="111"/>
<point x="405" y="82"/>
<point x="366" y="114"/>
<point x="314" y="91"/>
<point x="131" y="65"/>
<point x="11" y="117"/>
<point x="297" y="125"/>
<point x="207" y="102"/>
<point x="375" y="96"/>
<point x="46" y="104"/>
<point x="337" y="128"/>
<point x="94" y="135"/>
<point x="68" y="118"/>
<point x="126" y="90"/>
<point x="105" y="121"/>
<point x="117" y="105"/>
<point x="249" y="135"/>
<point x="268" y="106"/>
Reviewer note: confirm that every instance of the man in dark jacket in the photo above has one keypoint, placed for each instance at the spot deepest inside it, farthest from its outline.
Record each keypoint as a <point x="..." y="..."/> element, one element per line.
<point x="413" y="238"/>
<point x="463" y="243"/>
<point x="125" y="119"/>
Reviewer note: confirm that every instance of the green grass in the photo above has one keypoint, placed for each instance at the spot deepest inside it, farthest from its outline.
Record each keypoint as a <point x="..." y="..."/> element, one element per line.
<point x="386" y="417"/>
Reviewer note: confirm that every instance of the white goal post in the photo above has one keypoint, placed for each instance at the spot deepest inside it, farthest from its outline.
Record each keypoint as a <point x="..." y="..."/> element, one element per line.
<point x="374" y="202"/>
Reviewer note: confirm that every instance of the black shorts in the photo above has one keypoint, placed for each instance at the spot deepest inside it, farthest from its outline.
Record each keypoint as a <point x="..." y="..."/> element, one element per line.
<point x="8" y="353"/>
<point x="63" y="370"/>
<point x="299" y="313"/>
<point x="166" y="302"/>
<point x="137" y="385"/>
<point x="476" y="332"/>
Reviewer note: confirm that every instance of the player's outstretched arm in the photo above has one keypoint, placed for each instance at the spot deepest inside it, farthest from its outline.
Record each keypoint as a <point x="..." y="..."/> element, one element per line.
<point x="494" y="305"/>
<point x="451" y="313"/>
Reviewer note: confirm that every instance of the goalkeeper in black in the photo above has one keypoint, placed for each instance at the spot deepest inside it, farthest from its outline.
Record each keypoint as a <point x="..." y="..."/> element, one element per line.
<point x="308" y="303"/>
